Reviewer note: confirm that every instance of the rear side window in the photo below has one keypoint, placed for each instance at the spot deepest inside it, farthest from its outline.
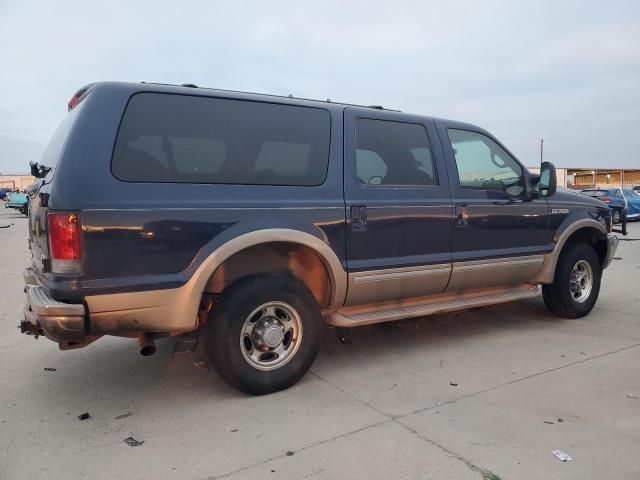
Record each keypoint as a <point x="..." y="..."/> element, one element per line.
<point x="393" y="153"/>
<point x="188" y="139"/>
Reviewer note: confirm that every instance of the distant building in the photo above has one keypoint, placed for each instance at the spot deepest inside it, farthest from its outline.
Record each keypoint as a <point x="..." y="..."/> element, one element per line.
<point x="603" y="177"/>
<point x="18" y="180"/>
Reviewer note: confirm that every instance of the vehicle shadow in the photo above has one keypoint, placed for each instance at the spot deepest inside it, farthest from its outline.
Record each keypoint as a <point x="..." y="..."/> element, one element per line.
<point x="113" y="371"/>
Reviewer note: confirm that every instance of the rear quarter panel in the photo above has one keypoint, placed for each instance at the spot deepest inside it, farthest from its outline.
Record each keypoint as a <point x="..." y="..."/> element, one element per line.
<point x="140" y="236"/>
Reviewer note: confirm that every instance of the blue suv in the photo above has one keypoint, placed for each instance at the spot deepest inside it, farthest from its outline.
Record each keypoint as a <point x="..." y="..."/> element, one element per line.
<point x="166" y="210"/>
<point x="613" y="197"/>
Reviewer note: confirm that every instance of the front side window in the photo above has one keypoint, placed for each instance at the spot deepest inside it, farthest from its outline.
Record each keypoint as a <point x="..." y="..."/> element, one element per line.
<point x="393" y="153"/>
<point x="190" y="139"/>
<point x="485" y="165"/>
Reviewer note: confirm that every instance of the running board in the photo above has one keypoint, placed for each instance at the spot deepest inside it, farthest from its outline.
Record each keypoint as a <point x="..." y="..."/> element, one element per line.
<point x="448" y="302"/>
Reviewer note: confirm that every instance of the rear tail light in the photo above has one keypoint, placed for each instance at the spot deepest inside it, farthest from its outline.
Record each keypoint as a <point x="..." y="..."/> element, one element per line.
<point x="64" y="242"/>
<point x="606" y="199"/>
<point x="79" y="96"/>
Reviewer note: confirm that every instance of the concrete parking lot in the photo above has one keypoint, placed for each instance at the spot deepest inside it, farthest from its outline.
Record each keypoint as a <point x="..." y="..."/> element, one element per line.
<point x="486" y="392"/>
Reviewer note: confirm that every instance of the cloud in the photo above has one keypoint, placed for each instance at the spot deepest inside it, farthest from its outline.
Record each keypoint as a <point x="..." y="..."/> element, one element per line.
<point x="562" y="70"/>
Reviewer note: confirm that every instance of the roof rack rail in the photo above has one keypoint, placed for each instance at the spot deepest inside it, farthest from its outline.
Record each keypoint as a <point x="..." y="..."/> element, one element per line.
<point x="328" y="100"/>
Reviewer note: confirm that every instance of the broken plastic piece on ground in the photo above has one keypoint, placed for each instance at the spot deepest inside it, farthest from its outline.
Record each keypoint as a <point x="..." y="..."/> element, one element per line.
<point x="124" y="415"/>
<point x="631" y="395"/>
<point x="562" y="456"/>
<point x="453" y="384"/>
<point x="547" y="421"/>
<point x="83" y="416"/>
<point x="49" y="369"/>
<point x="132" y="442"/>
<point x="289" y="453"/>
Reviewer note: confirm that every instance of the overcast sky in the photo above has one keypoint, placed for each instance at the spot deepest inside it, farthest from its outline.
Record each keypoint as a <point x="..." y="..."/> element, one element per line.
<point x="566" y="71"/>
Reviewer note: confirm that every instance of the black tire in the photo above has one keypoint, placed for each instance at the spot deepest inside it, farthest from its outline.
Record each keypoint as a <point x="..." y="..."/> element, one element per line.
<point x="558" y="296"/>
<point x="24" y="210"/>
<point x="223" y="332"/>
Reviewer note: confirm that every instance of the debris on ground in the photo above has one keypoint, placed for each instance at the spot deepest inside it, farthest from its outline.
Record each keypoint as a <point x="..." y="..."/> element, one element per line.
<point x="487" y="475"/>
<point x="394" y="386"/>
<point x="562" y="456"/>
<point x="290" y="453"/>
<point x="234" y="430"/>
<point x="344" y="335"/>
<point x="49" y="369"/>
<point x="547" y="421"/>
<point x="132" y="442"/>
<point x="124" y="415"/>
<point x="560" y="420"/>
<point x="453" y="384"/>
<point x="83" y="416"/>
<point x="200" y="364"/>
<point x="6" y="226"/>
<point x="631" y="395"/>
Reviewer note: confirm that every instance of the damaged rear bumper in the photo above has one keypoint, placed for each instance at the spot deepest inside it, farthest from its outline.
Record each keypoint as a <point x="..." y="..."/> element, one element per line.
<point x="58" y="321"/>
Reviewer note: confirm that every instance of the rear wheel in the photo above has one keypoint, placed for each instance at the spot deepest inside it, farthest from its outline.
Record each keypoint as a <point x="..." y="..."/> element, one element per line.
<point x="264" y="333"/>
<point x="576" y="284"/>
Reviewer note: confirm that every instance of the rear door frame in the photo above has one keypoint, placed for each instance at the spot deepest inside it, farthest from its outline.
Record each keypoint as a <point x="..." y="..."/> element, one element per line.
<point x="379" y="277"/>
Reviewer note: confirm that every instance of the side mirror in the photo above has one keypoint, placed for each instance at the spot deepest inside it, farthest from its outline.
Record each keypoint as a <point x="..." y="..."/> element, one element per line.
<point x="35" y="171"/>
<point x="548" y="182"/>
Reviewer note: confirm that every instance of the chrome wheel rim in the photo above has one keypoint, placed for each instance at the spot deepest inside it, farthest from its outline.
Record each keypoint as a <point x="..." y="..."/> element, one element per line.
<point x="581" y="281"/>
<point x="271" y="335"/>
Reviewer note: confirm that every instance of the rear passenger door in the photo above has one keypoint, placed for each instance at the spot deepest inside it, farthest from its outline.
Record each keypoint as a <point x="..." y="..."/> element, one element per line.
<point x="399" y="212"/>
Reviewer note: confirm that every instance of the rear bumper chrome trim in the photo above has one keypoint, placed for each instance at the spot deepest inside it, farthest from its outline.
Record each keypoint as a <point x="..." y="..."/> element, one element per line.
<point x="58" y="320"/>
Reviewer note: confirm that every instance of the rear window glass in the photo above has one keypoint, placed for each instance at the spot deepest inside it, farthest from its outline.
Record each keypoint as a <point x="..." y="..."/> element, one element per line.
<point x="188" y="139"/>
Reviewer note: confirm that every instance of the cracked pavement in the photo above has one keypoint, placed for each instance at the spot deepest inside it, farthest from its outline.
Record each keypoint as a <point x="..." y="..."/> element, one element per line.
<point x="454" y="396"/>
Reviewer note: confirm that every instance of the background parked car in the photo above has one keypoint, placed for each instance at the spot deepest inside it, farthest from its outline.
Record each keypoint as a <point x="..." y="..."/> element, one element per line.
<point x="612" y="197"/>
<point x="633" y="204"/>
<point x="19" y="201"/>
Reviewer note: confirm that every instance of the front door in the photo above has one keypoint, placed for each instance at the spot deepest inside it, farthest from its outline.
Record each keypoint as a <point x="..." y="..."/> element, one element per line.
<point x="499" y="237"/>
<point x="399" y="212"/>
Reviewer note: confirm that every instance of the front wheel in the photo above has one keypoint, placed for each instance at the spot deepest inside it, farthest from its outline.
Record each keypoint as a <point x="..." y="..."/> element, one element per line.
<point x="264" y="334"/>
<point x="576" y="284"/>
